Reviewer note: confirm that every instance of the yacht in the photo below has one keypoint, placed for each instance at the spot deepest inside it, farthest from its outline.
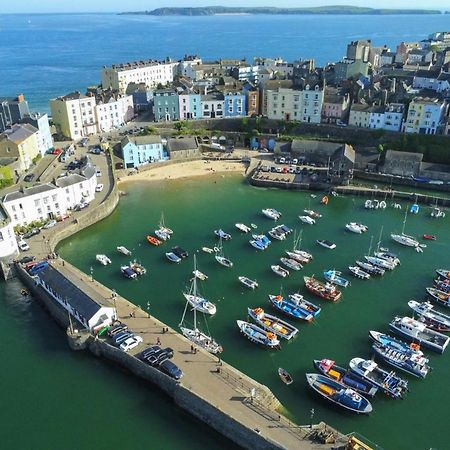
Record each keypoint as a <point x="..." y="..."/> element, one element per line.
<point x="242" y="227"/>
<point x="326" y="244"/>
<point x="271" y="213"/>
<point x="307" y="219"/>
<point x="103" y="259"/>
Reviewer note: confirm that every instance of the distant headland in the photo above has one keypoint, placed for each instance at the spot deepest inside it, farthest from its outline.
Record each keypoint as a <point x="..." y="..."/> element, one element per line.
<point x="224" y="10"/>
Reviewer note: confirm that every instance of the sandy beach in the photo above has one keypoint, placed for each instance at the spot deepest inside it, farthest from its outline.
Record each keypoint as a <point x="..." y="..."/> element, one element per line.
<point x="187" y="169"/>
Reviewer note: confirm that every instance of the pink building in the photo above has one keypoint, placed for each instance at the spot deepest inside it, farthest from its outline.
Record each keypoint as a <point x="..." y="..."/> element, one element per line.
<point x="335" y="106"/>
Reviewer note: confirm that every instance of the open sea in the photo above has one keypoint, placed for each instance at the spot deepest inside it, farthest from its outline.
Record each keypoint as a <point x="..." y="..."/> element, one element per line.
<point x="55" y="398"/>
<point x="44" y="56"/>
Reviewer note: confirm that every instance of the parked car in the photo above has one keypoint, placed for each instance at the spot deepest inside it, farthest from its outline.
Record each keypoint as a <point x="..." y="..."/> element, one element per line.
<point x="57" y="151"/>
<point x="130" y="343"/>
<point x="122" y="337"/>
<point x="99" y="188"/>
<point x="29" y="177"/>
<point x="27" y="259"/>
<point x="98" y="173"/>
<point x="84" y="142"/>
<point x="81" y="206"/>
<point x="50" y="224"/>
<point x="149" y="351"/>
<point x="95" y="150"/>
<point x="117" y="329"/>
<point x="23" y="246"/>
<point x="73" y="165"/>
<point x="171" y="369"/>
<point x="41" y="265"/>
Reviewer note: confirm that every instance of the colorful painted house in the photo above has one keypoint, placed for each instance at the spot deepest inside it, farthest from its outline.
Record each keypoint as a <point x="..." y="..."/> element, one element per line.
<point x="140" y="150"/>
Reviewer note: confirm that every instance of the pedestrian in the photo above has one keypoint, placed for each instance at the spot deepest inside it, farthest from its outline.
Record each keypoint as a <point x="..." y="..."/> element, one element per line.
<point x="158" y="341"/>
<point x="192" y="348"/>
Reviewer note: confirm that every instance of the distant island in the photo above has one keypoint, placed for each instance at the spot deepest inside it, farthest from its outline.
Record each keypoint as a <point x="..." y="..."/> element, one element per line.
<point x="223" y="10"/>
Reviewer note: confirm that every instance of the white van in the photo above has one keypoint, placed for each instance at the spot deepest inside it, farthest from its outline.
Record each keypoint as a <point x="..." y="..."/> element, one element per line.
<point x="217" y="146"/>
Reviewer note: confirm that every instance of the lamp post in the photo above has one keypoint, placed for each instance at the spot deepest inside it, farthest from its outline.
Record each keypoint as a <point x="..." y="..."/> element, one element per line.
<point x="92" y="273"/>
<point x="311" y="417"/>
<point x="148" y="308"/>
<point x="113" y="296"/>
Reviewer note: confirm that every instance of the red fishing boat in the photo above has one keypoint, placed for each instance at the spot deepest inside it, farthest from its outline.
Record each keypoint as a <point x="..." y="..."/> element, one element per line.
<point x="152" y="240"/>
<point x="324" y="290"/>
<point x="429" y="237"/>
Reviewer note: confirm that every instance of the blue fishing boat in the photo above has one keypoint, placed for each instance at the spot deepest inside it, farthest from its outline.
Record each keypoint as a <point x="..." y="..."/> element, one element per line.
<point x="295" y="306"/>
<point x="330" y="369"/>
<point x="272" y="323"/>
<point x="388" y="382"/>
<point x="339" y="394"/>
<point x="333" y="276"/>
<point x="414" y="364"/>
<point x="221" y="234"/>
<point x="257" y="244"/>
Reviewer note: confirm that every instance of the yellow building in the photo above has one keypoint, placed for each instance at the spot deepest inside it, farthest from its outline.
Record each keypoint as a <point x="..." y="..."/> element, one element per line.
<point x="426" y="116"/>
<point x="21" y="142"/>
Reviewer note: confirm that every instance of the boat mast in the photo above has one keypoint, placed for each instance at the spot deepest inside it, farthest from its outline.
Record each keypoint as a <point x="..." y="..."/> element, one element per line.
<point x="404" y="221"/>
<point x="379" y="241"/>
<point x="370" y="246"/>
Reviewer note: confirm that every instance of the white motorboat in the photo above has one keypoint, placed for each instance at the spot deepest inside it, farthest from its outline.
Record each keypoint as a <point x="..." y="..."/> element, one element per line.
<point x="379" y="262"/>
<point x="431" y="317"/>
<point x="242" y="227"/>
<point x="271" y="213"/>
<point x="357" y="272"/>
<point x="277" y="234"/>
<point x="207" y="250"/>
<point x="199" y="275"/>
<point x="416" y="331"/>
<point x="123" y="250"/>
<point x="252" y="284"/>
<point x="280" y="270"/>
<point x="312" y="213"/>
<point x="326" y="244"/>
<point x="356" y="227"/>
<point x="368" y="204"/>
<point x="162" y="234"/>
<point x="103" y="259"/>
<point x="437" y="213"/>
<point x="258" y="335"/>
<point x="307" y="219"/>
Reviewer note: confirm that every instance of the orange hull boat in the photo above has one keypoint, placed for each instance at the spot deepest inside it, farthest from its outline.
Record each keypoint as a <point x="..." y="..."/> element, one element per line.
<point x="152" y="240"/>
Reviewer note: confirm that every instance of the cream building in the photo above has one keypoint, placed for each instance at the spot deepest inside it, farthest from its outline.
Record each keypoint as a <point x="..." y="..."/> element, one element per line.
<point x="293" y="104"/>
<point x="426" y="116"/>
<point x="74" y="115"/>
<point x="152" y="73"/>
<point x="113" y="111"/>
<point x="21" y="142"/>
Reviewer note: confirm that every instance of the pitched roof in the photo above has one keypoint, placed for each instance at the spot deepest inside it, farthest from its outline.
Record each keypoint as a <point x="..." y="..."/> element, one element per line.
<point x="26" y="192"/>
<point x="186" y="143"/>
<point x="19" y="133"/>
<point x="141" y="140"/>
<point x="69" y="180"/>
<point x="85" y="305"/>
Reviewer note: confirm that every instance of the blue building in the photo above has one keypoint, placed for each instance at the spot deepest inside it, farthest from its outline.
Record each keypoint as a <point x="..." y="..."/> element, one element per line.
<point x="190" y="106"/>
<point x="234" y="104"/>
<point x="166" y="105"/>
<point x="142" y="150"/>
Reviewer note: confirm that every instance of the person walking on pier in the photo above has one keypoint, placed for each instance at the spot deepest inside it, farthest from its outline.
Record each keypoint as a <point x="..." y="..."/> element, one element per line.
<point x="158" y="341"/>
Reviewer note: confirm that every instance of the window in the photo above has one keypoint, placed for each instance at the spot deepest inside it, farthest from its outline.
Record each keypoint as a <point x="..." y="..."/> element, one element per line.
<point x="45" y="200"/>
<point x="39" y="210"/>
<point x="54" y="197"/>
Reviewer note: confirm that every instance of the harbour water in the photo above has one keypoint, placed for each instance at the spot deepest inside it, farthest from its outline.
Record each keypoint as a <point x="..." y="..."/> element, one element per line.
<point x="194" y="208"/>
<point x="47" y="55"/>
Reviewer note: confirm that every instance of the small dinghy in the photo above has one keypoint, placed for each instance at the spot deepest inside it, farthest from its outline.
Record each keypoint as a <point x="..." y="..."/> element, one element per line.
<point x="224" y="261"/>
<point x="152" y="240"/>
<point x="326" y="244"/>
<point x="207" y="250"/>
<point x="252" y="284"/>
<point x="280" y="270"/>
<point x="285" y="376"/>
<point x="339" y="394"/>
<point x="242" y="227"/>
<point x="123" y="250"/>
<point x="138" y="268"/>
<point x="221" y="234"/>
<point x="429" y="237"/>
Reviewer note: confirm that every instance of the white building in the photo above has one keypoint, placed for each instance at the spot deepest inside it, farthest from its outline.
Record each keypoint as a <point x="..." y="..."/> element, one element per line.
<point x="293" y="104"/>
<point x="388" y="117"/>
<point x="212" y="106"/>
<point x="44" y="136"/>
<point x="8" y="242"/>
<point x="91" y="311"/>
<point x="113" y="111"/>
<point x="74" y="115"/>
<point x="49" y="201"/>
<point x="152" y="73"/>
<point x="185" y="65"/>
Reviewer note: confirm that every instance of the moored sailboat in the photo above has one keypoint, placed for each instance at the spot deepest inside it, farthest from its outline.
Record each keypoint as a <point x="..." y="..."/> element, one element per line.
<point x="220" y="258"/>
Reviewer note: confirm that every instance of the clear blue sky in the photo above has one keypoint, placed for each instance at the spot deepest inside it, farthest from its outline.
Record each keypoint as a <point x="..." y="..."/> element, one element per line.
<point x="42" y="6"/>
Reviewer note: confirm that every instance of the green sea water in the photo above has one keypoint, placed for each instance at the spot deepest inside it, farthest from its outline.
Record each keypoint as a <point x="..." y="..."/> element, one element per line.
<point x="60" y="399"/>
